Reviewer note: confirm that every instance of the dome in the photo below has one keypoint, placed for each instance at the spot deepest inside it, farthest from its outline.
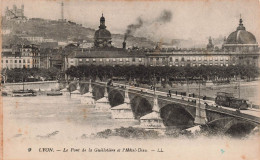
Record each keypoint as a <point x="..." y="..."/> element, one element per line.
<point x="102" y="34"/>
<point x="241" y="36"/>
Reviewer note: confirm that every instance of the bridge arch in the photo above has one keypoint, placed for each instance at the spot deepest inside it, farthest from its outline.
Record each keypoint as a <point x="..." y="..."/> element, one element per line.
<point x="238" y="128"/>
<point x="175" y="115"/>
<point x="115" y="97"/>
<point x="232" y="126"/>
<point x="140" y="106"/>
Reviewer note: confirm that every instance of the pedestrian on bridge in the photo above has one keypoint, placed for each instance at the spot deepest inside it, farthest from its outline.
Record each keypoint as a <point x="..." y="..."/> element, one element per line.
<point x="169" y="94"/>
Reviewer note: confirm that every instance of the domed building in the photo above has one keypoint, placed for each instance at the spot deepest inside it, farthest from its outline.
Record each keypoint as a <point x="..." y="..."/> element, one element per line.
<point x="242" y="46"/>
<point x="241" y="40"/>
<point x="102" y="37"/>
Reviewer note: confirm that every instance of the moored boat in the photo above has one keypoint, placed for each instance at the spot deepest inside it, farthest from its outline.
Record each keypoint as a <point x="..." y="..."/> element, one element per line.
<point x="23" y="93"/>
<point x="54" y="93"/>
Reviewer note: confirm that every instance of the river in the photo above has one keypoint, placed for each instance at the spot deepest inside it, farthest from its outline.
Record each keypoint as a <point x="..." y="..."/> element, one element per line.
<point x="31" y="123"/>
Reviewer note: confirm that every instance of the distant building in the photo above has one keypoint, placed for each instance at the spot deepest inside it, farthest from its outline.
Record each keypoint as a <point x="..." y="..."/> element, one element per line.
<point x="240" y="48"/>
<point x="113" y="56"/>
<point x="210" y="46"/>
<point x="102" y="36"/>
<point x="5" y="31"/>
<point x="34" y="39"/>
<point x="15" y="13"/>
<point x="21" y="57"/>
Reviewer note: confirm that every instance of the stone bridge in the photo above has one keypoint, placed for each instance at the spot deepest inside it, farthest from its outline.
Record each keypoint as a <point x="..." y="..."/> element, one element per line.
<point x="175" y="111"/>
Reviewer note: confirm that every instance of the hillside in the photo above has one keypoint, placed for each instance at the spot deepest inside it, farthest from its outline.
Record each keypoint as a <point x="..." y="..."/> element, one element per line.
<point x="63" y="31"/>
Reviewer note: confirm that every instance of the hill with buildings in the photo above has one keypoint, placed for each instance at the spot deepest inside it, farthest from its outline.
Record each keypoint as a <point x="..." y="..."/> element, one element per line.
<point x="60" y="31"/>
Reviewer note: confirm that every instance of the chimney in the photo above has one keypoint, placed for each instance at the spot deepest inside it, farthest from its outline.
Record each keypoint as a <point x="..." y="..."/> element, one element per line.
<point x="124" y="45"/>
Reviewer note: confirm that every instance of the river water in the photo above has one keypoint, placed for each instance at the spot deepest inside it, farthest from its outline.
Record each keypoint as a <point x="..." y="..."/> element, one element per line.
<point x="62" y="122"/>
<point x="43" y="115"/>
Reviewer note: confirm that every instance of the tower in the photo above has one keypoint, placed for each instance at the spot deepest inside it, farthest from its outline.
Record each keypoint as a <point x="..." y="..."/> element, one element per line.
<point x="102" y="22"/>
<point x="22" y="10"/>
<point x="210" y="45"/>
<point x="62" y="5"/>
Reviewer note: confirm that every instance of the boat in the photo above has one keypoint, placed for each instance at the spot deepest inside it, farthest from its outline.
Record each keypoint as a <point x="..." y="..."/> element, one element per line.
<point x="54" y="93"/>
<point x="23" y="93"/>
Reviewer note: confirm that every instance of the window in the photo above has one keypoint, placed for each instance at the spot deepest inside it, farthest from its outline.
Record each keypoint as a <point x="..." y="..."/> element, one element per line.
<point x="107" y="60"/>
<point x="100" y="59"/>
<point x="193" y="64"/>
<point x="24" y="61"/>
<point x="210" y="64"/>
<point x="210" y="58"/>
<point x="170" y="59"/>
<point x="120" y="59"/>
<point x="199" y="58"/>
<point x="140" y="59"/>
<point x="157" y="59"/>
<point x="182" y="59"/>
<point x="127" y="59"/>
<point x="151" y="59"/>
<point x="221" y="58"/>
<point x="80" y="60"/>
<point x="216" y="58"/>
<point x="226" y="64"/>
<point x="194" y="58"/>
<point x="11" y="61"/>
<point x="94" y="60"/>
<point x="6" y="61"/>
<point x="71" y="61"/>
<point x="221" y="64"/>
<point x="114" y="59"/>
<point x="87" y="60"/>
<point x="199" y="64"/>
<point x="205" y="58"/>
<point x="15" y="61"/>
<point x="133" y="59"/>
<point x="188" y="58"/>
<point x="227" y="58"/>
<point x="20" y="61"/>
<point x="176" y="60"/>
<point x="28" y="61"/>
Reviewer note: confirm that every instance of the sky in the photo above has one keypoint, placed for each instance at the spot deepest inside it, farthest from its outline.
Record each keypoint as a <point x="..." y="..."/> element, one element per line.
<point x="190" y="19"/>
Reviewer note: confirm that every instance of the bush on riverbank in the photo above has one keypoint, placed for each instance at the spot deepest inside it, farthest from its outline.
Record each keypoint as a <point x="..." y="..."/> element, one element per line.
<point x="30" y="74"/>
<point x="129" y="132"/>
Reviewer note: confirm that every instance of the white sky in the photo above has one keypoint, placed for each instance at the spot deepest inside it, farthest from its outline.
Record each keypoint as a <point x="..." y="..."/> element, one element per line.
<point x="195" y="20"/>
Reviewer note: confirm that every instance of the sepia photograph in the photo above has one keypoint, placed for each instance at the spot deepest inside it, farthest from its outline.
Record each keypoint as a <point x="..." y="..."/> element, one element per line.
<point x="130" y="79"/>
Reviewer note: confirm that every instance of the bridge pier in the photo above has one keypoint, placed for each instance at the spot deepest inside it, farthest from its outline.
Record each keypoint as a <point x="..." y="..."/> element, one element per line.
<point x="201" y="117"/>
<point x="88" y="97"/>
<point x="123" y="111"/>
<point x="76" y="94"/>
<point x="103" y="103"/>
<point x="153" y="120"/>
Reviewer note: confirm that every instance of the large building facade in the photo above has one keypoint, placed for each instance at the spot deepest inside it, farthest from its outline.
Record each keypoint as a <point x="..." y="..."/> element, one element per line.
<point x="240" y="48"/>
<point x="20" y="57"/>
